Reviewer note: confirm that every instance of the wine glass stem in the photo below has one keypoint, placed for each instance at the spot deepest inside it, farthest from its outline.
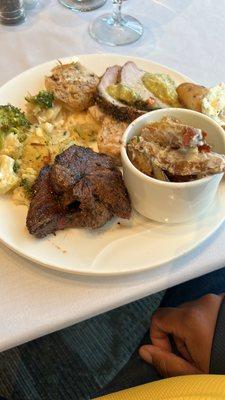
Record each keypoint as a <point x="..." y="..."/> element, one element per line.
<point x="117" y="16"/>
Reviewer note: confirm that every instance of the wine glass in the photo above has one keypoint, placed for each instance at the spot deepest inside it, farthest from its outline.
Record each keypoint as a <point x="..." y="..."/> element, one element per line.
<point x="82" y="5"/>
<point x="116" y="29"/>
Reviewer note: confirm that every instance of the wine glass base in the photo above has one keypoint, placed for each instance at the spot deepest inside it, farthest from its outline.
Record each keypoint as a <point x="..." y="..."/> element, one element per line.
<point x="106" y="30"/>
<point x="85" y="5"/>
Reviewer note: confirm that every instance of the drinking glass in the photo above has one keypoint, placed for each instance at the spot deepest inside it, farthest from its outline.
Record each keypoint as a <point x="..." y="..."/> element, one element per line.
<point x="82" y="5"/>
<point x="11" y="12"/>
<point x="116" y="29"/>
<point x="29" y="4"/>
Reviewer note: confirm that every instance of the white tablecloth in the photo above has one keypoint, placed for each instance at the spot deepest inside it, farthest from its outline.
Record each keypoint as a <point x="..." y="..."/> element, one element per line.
<point x="187" y="35"/>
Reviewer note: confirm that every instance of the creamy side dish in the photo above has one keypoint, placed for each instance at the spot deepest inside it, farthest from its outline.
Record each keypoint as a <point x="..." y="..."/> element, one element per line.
<point x="213" y="104"/>
<point x="169" y="150"/>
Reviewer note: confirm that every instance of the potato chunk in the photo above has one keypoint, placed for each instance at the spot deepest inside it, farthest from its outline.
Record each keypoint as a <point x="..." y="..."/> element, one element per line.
<point x="191" y="95"/>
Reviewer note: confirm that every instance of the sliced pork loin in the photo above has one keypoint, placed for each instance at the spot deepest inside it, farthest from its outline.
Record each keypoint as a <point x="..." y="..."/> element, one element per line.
<point x="110" y="105"/>
<point x="130" y="76"/>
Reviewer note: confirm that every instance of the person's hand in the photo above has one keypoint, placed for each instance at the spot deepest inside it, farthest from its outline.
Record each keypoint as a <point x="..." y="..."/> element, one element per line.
<point x="191" y="326"/>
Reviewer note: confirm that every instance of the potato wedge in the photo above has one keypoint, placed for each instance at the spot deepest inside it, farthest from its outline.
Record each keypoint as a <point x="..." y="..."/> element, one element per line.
<point x="191" y="95"/>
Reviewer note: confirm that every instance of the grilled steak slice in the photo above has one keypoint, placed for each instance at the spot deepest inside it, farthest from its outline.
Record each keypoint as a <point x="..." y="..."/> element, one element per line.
<point x="71" y="165"/>
<point x="83" y="189"/>
<point x="44" y="214"/>
<point x="79" y="165"/>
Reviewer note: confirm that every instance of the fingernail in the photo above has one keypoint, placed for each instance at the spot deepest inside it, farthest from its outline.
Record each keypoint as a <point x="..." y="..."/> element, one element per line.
<point x="145" y="354"/>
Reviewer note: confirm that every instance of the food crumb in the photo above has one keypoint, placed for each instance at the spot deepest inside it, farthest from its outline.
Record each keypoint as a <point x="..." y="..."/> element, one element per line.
<point x="58" y="247"/>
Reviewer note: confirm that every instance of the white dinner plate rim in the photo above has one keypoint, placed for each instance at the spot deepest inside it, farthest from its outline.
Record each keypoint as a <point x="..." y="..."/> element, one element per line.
<point x="68" y="58"/>
<point x="100" y="274"/>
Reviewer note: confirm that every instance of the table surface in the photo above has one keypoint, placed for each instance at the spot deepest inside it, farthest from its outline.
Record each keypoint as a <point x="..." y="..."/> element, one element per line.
<point x="186" y="35"/>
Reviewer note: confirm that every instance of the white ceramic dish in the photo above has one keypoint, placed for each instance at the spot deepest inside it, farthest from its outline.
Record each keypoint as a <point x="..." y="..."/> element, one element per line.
<point x="135" y="246"/>
<point x="171" y="202"/>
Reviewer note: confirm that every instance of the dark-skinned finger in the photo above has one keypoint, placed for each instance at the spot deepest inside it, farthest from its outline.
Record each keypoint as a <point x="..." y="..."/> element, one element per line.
<point x="166" y="321"/>
<point x="182" y="349"/>
<point x="166" y="363"/>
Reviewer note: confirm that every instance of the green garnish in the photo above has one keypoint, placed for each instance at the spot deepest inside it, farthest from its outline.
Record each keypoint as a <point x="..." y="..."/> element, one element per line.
<point x="16" y="167"/>
<point x="44" y="99"/>
<point x="27" y="187"/>
<point x="1" y="139"/>
<point x="21" y="136"/>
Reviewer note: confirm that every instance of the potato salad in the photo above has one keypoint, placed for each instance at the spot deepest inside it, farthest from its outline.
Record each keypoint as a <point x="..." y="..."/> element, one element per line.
<point x="31" y="140"/>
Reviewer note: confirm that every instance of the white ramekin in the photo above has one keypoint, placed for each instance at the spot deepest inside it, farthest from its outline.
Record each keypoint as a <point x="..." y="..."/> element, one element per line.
<point x="168" y="201"/>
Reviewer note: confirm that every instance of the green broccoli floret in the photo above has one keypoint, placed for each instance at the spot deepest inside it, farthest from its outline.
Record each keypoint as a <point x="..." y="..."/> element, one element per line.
<point x="12" y="120"/>
<point x="44" y="99"/>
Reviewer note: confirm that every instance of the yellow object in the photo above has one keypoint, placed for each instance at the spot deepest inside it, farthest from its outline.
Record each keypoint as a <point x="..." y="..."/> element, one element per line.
<point x="163" y="87"/>
<point x="123" y="93"/>
<point x="194" y="387"/>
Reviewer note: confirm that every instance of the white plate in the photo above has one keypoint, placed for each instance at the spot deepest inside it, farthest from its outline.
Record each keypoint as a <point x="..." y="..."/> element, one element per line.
<point x="133" y="246"/>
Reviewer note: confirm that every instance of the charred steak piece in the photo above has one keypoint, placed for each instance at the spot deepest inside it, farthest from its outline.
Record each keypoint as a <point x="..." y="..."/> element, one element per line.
<point x="44" y="214"/>
<point x="76" y="162"/>
<point x="82" y="166"/>
<point x="83" y="189"/>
